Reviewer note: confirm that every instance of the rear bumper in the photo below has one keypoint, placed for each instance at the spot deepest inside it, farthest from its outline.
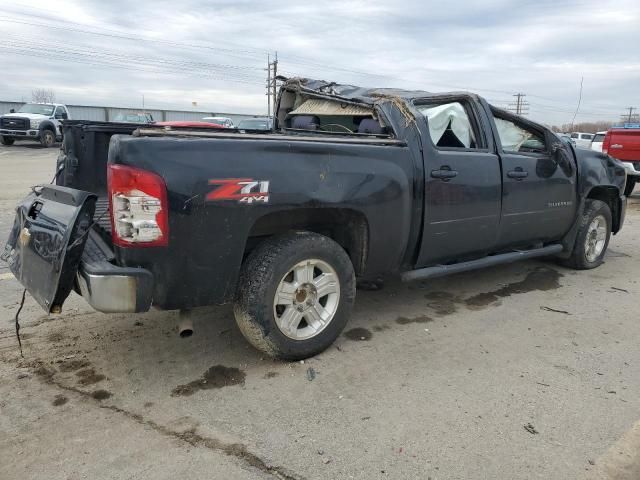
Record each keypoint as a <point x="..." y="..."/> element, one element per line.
<point x="19" y="133"/>
<point x="109" y="288"/>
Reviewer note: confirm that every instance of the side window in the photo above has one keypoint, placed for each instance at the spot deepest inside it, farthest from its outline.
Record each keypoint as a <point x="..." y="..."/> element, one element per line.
<point x="450" y="125"/>
<point x="519" y="138"/>
<point x="587" y="136"/>
<point x="575" y="135"/>
<point x="60" y="112"/>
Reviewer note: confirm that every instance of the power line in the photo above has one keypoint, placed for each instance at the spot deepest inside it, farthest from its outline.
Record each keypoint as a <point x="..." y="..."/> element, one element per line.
<point x="520" y="107"/>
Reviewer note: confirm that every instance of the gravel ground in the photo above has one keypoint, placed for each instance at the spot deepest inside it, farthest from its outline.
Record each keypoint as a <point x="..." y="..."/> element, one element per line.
<point x="521" y="371"/>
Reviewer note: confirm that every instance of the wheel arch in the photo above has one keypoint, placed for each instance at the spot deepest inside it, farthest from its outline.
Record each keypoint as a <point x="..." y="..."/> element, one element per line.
<point x="611" y="196"/>
<point x="347" y="227"/>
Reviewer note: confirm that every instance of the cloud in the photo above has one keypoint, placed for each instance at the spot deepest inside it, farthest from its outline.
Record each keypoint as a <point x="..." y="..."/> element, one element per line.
<point x="214" y="53"/>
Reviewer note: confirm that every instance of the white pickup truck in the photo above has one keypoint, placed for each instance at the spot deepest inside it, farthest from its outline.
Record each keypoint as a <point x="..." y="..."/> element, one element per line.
<point x="34" y="121"/>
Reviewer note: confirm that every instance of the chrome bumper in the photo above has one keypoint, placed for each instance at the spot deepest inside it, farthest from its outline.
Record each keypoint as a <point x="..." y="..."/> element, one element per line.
<point x="633" y="169"/>
<point x="109" y="293"/>
<point x="109" y="288"/>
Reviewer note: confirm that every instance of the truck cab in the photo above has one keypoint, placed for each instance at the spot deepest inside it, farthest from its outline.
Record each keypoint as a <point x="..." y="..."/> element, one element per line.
<point x="41" y="122"/>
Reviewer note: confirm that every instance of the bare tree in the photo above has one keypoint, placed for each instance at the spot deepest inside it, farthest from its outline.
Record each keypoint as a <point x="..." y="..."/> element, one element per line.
<point x="43" y="95"/>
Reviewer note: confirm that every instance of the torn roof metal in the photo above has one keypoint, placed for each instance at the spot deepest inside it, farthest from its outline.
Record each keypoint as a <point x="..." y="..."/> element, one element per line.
<point x="354" y="93"/>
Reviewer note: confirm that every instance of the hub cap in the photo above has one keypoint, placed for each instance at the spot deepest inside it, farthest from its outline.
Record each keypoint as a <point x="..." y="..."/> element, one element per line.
<point x="306" y="299"/>
<point x="596" y="238"/>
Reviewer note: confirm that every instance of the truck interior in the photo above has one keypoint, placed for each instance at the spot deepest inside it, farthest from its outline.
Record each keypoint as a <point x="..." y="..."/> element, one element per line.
<point x="301" y="112"/>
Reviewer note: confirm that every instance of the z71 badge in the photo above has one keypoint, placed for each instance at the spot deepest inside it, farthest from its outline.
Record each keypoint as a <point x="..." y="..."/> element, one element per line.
<point x="244" y="190"/>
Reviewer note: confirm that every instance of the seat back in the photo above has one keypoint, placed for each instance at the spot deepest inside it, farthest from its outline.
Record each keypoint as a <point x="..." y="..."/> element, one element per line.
<point x="305" y="122"/>
<point x="370" y="125"/>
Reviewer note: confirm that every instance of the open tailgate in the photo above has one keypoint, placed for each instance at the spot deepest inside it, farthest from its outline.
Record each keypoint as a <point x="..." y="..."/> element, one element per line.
<point x="47" y="240"/>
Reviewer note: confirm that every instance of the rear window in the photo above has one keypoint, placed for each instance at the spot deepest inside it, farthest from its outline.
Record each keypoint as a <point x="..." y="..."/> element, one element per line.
<point x="599" y="137"/>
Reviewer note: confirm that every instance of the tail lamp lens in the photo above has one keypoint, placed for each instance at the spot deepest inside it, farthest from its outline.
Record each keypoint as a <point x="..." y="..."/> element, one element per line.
<point x="138" y="205"/>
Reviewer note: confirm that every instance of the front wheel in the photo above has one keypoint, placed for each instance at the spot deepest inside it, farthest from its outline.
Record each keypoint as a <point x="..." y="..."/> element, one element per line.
<point x="7" y="140"/>
<point x="295" y="295"/>
<point x="47" y="138"/>
<point x="593" y="236"/>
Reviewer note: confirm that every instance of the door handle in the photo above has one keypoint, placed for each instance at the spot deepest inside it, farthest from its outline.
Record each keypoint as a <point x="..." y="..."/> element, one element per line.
<point x="518" y="174"/>
<point x="445" y="173"/>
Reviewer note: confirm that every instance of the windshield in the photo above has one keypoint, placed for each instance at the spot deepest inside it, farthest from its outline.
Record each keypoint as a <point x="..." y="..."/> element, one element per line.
<point x="37" y="108"/>
<point x="132" y="118"/>
<point x="254" y="124"/>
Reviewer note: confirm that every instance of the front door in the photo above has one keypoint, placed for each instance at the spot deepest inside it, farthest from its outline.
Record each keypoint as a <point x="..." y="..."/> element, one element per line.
<point x="463" y="183"/>
<point x="539" y="192"/>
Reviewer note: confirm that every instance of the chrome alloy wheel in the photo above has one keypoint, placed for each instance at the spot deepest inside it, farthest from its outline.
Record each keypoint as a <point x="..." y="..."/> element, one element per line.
<point x="596" y="238"/>
<point x="306" y="299"/>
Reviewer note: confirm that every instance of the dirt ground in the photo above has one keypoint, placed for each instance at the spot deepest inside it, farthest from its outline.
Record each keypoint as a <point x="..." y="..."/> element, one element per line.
<point x="522" y="371"/>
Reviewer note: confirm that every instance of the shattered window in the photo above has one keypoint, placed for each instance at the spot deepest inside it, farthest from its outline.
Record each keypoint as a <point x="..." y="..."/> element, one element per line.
<point x="518" y="139"/>
<point x="449" y="125"/>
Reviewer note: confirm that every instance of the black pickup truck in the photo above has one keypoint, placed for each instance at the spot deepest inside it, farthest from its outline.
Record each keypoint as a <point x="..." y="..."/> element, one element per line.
<point x="351" y="184"/>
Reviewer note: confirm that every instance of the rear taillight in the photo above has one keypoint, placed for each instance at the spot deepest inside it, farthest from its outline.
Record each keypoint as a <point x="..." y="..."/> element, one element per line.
<point x="606" y="143"/>
<point x="138" y="205"/>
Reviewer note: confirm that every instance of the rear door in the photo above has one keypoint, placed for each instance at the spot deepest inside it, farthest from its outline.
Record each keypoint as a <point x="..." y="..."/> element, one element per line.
<point x="46" y="242"/>
<point x="539" y="194"/>
<point x="462" y="181"/>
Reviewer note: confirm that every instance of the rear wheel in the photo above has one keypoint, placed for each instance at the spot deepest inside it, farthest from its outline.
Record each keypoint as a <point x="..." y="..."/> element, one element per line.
<point x="593" y="236"/>
<point x="295" y="295"/>
<point x="7" y="140"/>
<point x="47" y="138"/>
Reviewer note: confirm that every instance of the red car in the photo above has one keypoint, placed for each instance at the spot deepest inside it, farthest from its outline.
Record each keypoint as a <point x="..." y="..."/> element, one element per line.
<point x="190" y="124"/>
<point x="623" y="143"/>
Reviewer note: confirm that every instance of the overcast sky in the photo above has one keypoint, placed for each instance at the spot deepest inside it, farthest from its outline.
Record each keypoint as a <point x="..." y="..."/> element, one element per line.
<point x="214" y="52"/>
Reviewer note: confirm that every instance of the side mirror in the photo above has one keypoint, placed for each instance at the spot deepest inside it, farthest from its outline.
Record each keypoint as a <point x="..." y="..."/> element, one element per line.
<point x="13" y="110"/>
<point x="64" y="115"/>
<point x="562" y="157"/>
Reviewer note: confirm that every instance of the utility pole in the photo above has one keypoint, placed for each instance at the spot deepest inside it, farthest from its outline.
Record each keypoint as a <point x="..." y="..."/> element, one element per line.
<point x="631" y="109"/>
<point x="520" y="107"/>
<point x="268" y="86"/>
<point x="272" y="86"/>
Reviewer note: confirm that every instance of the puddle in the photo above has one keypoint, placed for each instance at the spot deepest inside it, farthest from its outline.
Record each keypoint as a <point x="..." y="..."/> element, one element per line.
<point x="442" y="303"/>
<point x="407" y="320"/>
<point x="59" y="400"/>
<point x="89" y="377"/>
<point x="358" y="334"/>
<point x="216" y="377"/>
<point x="542" y="279"/>
<point x="101" y="394"/>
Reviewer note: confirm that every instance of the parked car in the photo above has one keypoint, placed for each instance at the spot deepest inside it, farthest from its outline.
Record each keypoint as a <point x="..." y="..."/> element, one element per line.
<point x="623" y="143"/>
<point x="260" y="124"/>
<point x="134" y="118"/>
<point x="565" y="137"/>
<point x="582" y="140"/>
<point x="226" y="122"/>
<point x="596" y="142"/>
<point x="283" y="223"/>
<point x="34" y="121"/>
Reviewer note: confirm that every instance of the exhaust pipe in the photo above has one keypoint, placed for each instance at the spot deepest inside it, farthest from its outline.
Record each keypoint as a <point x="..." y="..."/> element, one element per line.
<point x="185" y="324"/>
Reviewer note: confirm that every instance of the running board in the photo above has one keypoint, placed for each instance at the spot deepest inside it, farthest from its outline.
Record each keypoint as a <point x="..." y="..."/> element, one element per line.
<point x="442" y="270"/>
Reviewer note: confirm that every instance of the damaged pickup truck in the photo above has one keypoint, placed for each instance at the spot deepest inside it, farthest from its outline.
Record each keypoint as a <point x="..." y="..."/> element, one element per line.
<point x="350" y="184"/>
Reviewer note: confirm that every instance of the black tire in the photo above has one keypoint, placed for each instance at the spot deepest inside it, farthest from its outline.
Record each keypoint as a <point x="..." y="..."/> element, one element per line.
<point x="7" y="141"/>
<point x="628" y="188"/>
<point x="579" y="258"/>
<point x="262" y="272"/>
<point x="47" y="138"/>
